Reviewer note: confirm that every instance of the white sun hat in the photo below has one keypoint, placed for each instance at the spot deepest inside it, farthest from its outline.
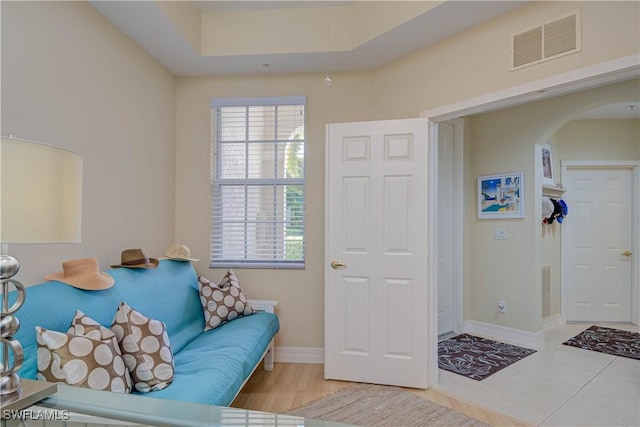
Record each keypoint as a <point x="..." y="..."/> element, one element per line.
<point x="178" y="252"/>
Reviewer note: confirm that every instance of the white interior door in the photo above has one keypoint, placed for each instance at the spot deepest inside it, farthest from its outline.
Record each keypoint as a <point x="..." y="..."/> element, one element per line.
<point x="445" y="228"/>
<point x="375" y="224"/>
<point x="598" y="236"/>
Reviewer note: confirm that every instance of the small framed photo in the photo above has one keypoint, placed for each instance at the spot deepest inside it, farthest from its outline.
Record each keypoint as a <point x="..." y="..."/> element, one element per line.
<point x="501" y="196"/>
<point x="547" y="166"/>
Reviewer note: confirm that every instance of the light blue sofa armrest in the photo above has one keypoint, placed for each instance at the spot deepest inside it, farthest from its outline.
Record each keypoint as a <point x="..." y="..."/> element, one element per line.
<point x="52" y="305"/>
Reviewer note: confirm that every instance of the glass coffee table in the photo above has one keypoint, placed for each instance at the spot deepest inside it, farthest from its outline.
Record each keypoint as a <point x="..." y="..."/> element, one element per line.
<point x="74" y="406"/>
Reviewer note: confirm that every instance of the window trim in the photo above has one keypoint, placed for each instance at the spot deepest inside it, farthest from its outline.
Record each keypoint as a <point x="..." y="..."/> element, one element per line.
<point x="258" y="101"/>
<point x="215" y="104"/>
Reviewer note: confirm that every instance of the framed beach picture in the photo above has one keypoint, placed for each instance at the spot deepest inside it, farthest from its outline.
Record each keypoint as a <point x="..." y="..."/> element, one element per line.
<point x="501" y="196"/>
<point x="547" y="166"/>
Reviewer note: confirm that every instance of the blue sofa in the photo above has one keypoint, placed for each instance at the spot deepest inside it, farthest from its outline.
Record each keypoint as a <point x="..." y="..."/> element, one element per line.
<point x="210" y="367"/>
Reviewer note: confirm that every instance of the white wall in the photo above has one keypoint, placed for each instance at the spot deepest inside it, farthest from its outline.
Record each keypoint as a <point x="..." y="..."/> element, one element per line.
<point x="70" y="79"/>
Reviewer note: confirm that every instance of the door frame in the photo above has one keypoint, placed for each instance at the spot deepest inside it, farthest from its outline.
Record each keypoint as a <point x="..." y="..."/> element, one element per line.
<point x="457" y="219"/>
<point x="634" y="166"/>
<point x="458" y="222"/>
<point x="617" y="70"/>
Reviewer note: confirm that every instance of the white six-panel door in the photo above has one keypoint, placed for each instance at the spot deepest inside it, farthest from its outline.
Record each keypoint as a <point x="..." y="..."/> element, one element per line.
<point x="375" y="226"/>
<point x="598" y="235"/>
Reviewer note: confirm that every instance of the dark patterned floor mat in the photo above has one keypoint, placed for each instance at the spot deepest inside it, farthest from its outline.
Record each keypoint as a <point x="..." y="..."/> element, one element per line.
<point x="608" y="340"/>
<point x="477" y="358"/>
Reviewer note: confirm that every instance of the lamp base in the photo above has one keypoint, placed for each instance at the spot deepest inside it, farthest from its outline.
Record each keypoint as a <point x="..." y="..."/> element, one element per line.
<point x="10" y="384"/>
<point x="9" y="266"/>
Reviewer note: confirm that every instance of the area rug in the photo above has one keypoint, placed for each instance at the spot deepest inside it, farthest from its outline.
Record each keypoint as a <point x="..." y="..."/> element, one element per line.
<point x="378" y="405"/>
<point x="608" y="340"/>
<point x="477" y="358"/>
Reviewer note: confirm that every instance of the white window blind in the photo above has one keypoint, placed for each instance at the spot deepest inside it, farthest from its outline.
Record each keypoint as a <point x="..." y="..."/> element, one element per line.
<point x="258" y="182"/>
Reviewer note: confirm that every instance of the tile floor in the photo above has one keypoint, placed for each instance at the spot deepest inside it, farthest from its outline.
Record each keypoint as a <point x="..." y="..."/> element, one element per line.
<point x="559" y="385"/>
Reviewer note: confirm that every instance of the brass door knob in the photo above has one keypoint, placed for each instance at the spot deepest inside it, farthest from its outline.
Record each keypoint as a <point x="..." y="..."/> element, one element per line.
<point x="627" y="253"/>
<point x="337" y="264"/>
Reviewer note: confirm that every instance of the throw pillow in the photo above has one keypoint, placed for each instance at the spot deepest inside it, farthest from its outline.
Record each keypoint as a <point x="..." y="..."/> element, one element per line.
<point x="224" y="302"/>
<point x="81" y="324"/>
<point x="145" y="348"/>
<point x="81" y="361"/>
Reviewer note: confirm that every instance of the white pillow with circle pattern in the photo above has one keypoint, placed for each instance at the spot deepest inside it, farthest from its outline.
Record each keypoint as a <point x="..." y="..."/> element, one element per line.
<point x="145" y="348"/>
<point x="224" y="302"/>
<point x="81" y="361"/>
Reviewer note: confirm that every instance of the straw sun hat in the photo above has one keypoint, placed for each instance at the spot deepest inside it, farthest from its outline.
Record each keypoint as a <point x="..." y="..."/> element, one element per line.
<point x="178" y="252"/>
<point x="83" y="274"/>
<point x="135" y="258"/>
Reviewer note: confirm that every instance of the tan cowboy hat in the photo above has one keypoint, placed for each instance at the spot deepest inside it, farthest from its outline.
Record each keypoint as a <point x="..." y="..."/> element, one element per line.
<point x="83" y="274"/>
<point x="135" y="258"/>
<point x="178" y="252"/>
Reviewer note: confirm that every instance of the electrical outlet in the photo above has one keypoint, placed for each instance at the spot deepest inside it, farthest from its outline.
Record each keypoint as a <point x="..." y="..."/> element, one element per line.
<point x="500" y="234"/>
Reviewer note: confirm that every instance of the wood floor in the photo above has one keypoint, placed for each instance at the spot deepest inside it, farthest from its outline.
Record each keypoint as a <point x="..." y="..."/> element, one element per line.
<point x="291" y="385"/>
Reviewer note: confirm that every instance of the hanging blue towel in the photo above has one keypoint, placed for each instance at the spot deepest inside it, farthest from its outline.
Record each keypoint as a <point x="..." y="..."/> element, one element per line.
<point x="564" y="210"/>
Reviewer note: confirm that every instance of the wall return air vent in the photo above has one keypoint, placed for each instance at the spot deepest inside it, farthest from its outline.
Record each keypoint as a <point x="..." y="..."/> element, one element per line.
<point x="547" y="41"/>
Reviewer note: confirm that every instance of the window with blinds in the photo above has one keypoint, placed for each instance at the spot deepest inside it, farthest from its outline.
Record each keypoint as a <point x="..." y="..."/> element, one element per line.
<point x="258" y="182"/>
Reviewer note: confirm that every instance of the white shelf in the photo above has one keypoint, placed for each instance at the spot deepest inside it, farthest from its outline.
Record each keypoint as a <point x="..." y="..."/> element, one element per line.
<point x="553" y="192"/>
<point x="263" y="305"/>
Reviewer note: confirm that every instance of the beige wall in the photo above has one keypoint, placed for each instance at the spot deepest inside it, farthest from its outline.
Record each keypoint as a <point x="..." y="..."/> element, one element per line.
<point x="455" y="69"/>
<point x="596" y="140"/>
<point x="338" y="27"/>
<point x="300" y="293"/>
<point x="70" y="79"/>
<point x="504" y="141"/>
<point x="476" y="62"/>
<point x="584" y="140"/>
<point x="463" y="67"/>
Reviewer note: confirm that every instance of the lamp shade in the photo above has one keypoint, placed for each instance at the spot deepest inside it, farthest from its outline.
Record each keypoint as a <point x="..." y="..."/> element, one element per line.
<point x="40" y="193"/>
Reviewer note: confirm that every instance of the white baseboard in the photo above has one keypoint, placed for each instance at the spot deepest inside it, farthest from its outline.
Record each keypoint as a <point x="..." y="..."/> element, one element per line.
<point x="518" y="337"/>
<point x="551" y="322"/>
<point x="300" y="355"/>
<point x="502" y="333"/>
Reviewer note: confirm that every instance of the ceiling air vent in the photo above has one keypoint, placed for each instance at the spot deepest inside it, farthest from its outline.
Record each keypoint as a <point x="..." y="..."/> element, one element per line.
<point x="547" y="41"/>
